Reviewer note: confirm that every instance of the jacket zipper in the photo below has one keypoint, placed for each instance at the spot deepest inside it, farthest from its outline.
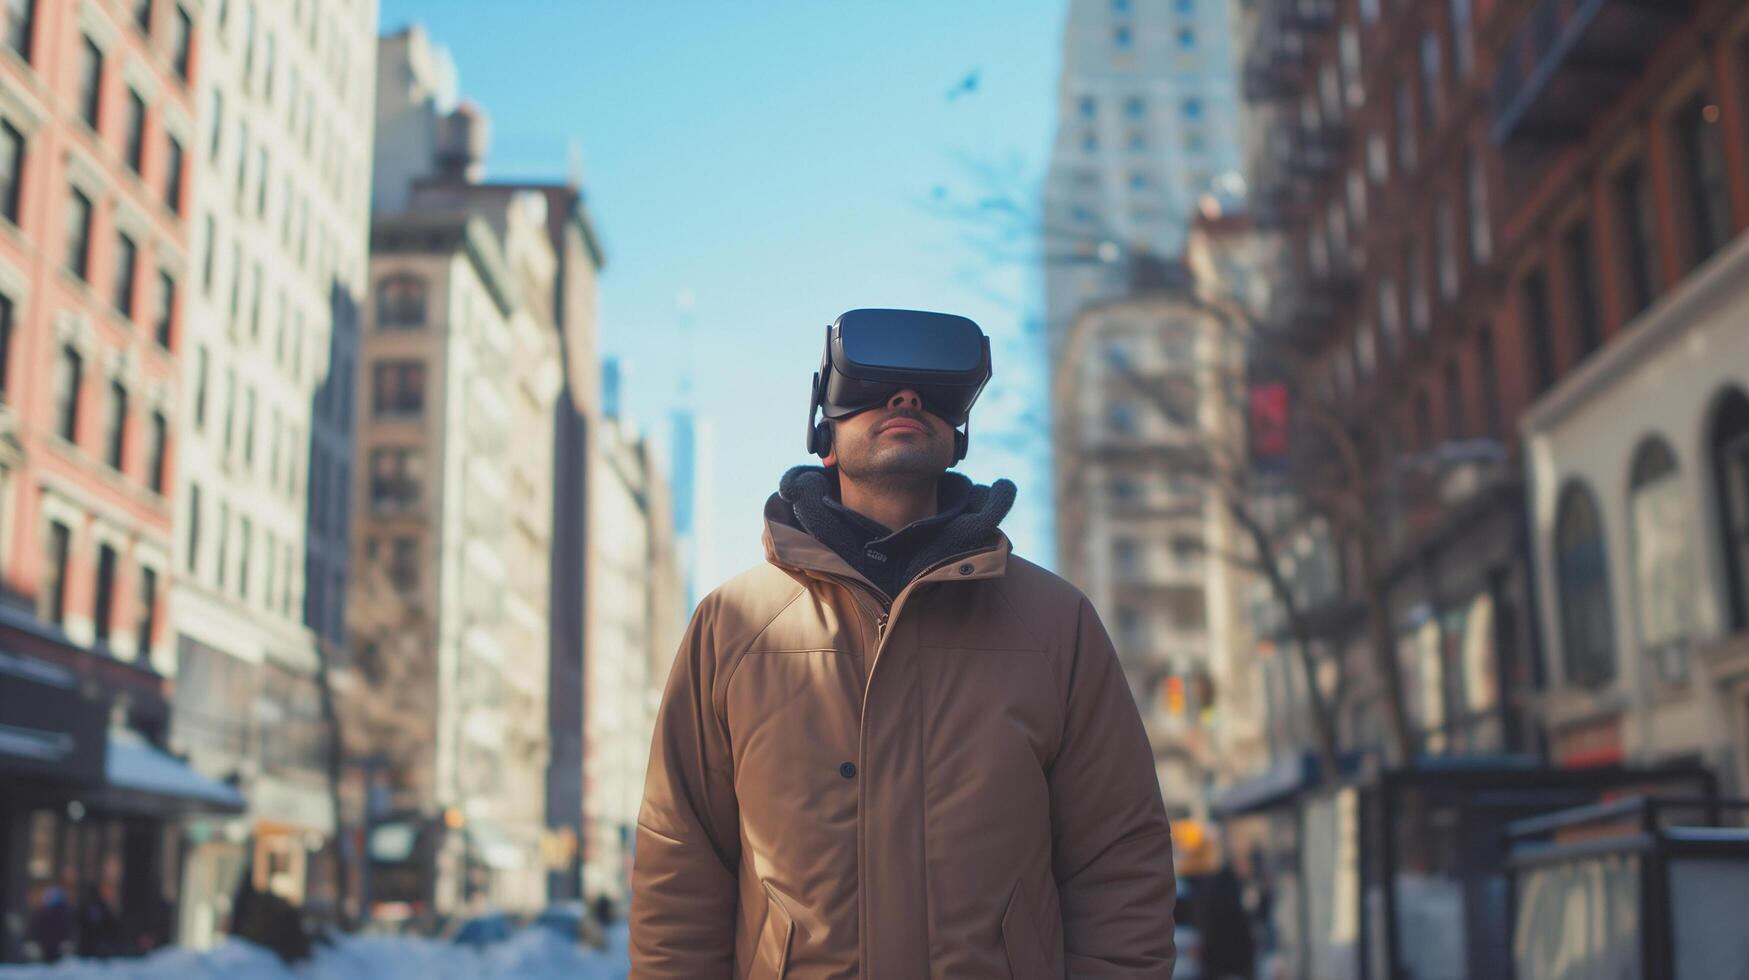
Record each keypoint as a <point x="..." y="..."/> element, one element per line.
<point x="881" y="620"/>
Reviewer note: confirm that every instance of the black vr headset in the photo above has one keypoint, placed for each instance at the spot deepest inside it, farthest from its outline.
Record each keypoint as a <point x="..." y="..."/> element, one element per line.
<point x="870" y="354"/>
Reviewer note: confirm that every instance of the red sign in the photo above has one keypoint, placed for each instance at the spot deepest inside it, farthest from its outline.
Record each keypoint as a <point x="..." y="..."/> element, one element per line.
<point x="1269" y="421"/>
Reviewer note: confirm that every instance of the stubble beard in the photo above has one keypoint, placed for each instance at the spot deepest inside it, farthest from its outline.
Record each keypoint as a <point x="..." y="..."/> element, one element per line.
<point x="894" y="467"/>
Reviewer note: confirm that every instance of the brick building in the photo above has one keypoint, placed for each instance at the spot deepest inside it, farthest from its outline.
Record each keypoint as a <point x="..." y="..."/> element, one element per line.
<point x="95" y="119"/>
<point x="1480" y="199"/>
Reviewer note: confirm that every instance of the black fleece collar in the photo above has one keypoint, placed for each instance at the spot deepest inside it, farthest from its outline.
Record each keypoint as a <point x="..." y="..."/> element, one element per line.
<point x="967" y="519"/>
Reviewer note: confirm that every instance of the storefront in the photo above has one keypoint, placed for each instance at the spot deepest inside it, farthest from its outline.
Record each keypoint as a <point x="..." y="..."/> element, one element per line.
<point x="90" y="814"/>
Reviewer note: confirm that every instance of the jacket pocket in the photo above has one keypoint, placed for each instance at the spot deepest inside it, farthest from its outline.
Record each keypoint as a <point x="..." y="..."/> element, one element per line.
<point x="771" y="957"/>
<point x="1026" y="958"/>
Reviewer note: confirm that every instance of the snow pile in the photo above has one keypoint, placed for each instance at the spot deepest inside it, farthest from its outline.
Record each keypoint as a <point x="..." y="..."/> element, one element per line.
<point x="532" y="954"/>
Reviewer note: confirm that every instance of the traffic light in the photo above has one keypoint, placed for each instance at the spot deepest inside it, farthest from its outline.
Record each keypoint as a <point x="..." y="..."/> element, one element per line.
<point x="1175" y="694"/>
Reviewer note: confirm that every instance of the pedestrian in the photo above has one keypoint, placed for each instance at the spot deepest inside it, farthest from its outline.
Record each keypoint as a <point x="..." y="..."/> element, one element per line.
<point x="51" y="924"/>
<point x="100" y="931"/>
<point x="896" y="750"/>
<point x="1228" y="949"/>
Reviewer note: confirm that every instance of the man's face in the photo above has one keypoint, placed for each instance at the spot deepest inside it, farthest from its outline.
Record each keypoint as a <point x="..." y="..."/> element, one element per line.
<point x="896" y="443"/>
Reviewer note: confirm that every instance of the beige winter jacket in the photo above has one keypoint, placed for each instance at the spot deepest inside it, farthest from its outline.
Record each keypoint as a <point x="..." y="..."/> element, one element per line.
<point x="957" y="787"/>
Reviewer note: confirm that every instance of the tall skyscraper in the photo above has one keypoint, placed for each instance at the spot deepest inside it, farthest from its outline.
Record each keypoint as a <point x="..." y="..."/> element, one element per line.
<point x="1146" y="110"/>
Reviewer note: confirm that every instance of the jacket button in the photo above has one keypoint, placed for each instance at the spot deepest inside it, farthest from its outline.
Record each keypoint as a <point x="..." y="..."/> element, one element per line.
<point x="966" y="569"/>
<point x="848" y="770"/>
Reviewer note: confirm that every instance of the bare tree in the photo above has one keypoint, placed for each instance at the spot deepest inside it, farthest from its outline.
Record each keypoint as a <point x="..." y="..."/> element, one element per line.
<point x="1326" y="475"/>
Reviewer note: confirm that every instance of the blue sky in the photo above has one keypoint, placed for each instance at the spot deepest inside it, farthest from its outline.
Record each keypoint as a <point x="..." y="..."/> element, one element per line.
<point x="756" y="168"/>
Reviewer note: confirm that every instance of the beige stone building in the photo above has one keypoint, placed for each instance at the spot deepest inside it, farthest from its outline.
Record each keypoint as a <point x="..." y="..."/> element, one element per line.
<point x="456" y="368"/>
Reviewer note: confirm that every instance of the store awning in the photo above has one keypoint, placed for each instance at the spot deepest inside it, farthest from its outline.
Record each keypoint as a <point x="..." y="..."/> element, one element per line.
<point x="136" y="766"/>
<point x="1280" y="782"/>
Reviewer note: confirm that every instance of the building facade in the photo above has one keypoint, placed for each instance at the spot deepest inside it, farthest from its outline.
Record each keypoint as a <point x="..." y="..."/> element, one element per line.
<point x="97" y="129"/>
<point x="280" y="222"/>
<point x="1626" y="253"/>
<point x="1144" y="109"/>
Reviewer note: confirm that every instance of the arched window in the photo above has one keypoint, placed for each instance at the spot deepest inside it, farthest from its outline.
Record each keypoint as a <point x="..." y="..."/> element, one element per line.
<point x="401" y="301"/>
<point x="1582" y="573"/>
<point x="1663" y="559"/>
<point x="1729" y="444"/>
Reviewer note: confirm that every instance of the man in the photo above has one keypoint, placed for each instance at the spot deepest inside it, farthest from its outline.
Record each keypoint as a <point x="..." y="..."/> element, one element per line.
<point x="895" y="750"/>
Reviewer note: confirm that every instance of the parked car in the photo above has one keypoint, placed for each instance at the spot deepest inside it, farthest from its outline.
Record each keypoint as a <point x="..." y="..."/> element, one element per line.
<point x="483" y="930"/>
<point x="572" y="921"/>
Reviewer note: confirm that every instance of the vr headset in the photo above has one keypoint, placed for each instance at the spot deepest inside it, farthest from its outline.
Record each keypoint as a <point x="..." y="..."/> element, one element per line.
<point x="870" y="354"/>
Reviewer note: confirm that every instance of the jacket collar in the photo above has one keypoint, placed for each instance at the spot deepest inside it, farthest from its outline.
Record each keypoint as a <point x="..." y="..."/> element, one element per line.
<point x="789" y="547"/>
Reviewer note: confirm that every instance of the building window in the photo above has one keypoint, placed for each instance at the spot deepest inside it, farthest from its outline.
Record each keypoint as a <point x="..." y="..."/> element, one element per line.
<point x="1700" y="158"/>
<point x="1635" y="211"/>
<point x="143" y="15"/>
<point x="1476" y="203"/>
<point x="1431" y="81"/>
<point x="249" y="427"/>
<point x="401" y="301"/>
<point x="7" y="309"/>
<point x="1582" y="574"/>
<point x="179" y="41"/>
<point x="1405" y="120"/>
<point x="155" y="461"/>
<point x="69" y="376"/>
<point x="1087" y="107"/>
<point x="1540" y="331"/>
<point x="1121" y="37"/>
<point x="218" y="113"/>
<point x="1665" y="584"/>
<point x="255" y="302"/>
<point x="236" y="280"/>
<point x="103" y="612"/>
<point x="173" y="174"/>
<point x="397" y="387"/>
<point x="116" y="427"/>
<point x="136" y="132"/>
<point x="1420" y="309"/>
<point x="1369" y="10"/>
<point x="209" y="264"/>
<point x="1423" y="422"/>
<point x="11" y="170"/>
<point x="1126" y="558"/>
<point x="261" y="166"/>
<point x="1191" y="107"/>
<point x="202" y="367"/>
<point x="1490" y="378"/>
<point x="79" y="235"/>
<point x="223" y="559"/>
<point x="230" y="410"/>
<point x="20" y="18"/>
<point x="1135" y="108"/>
<point x="146" y="619"/>
<point x="404" y="563"/>
<point x="193" y="528"/>
<point x="270" y="588"/>
<point x="1390" y="315"/>
<point x="1456" y="422"/>
<point x="163" y="315"/>
<point x="126" y="256"/>
<point x="1463" y="44"/>
<point x="245" y="544"/>
<point x="90" y="82"/>
<point x="1445" y="247"/>
<point x="1582" y="288"/>
<point x="1378" y="158"/>
<point x="1121" y="418"/>
<point x="395" y="476"/>
<point x="1730" y="458"/>
<point x="54" y="594"/>
<point x="1186" y="38"/>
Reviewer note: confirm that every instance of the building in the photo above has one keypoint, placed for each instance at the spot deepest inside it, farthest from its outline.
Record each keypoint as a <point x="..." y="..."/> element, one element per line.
<point x="1133" y="403"/>
<point x="97" y="127"/>
<point x="424" y="162"/>
<point x="1371" y="154"/>
<point x="1625" y="257"/>
<point x="634" y="629"/>
<point x="1144" y="105"/>
<point x="280" y="218"/>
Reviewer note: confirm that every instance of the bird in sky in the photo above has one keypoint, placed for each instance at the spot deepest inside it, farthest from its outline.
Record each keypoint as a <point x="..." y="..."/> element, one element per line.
<point x="966" y="86"/>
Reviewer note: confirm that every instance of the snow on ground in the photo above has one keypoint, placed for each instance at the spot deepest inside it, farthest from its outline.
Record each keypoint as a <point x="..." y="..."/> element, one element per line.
<point x="532" y="954"/>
